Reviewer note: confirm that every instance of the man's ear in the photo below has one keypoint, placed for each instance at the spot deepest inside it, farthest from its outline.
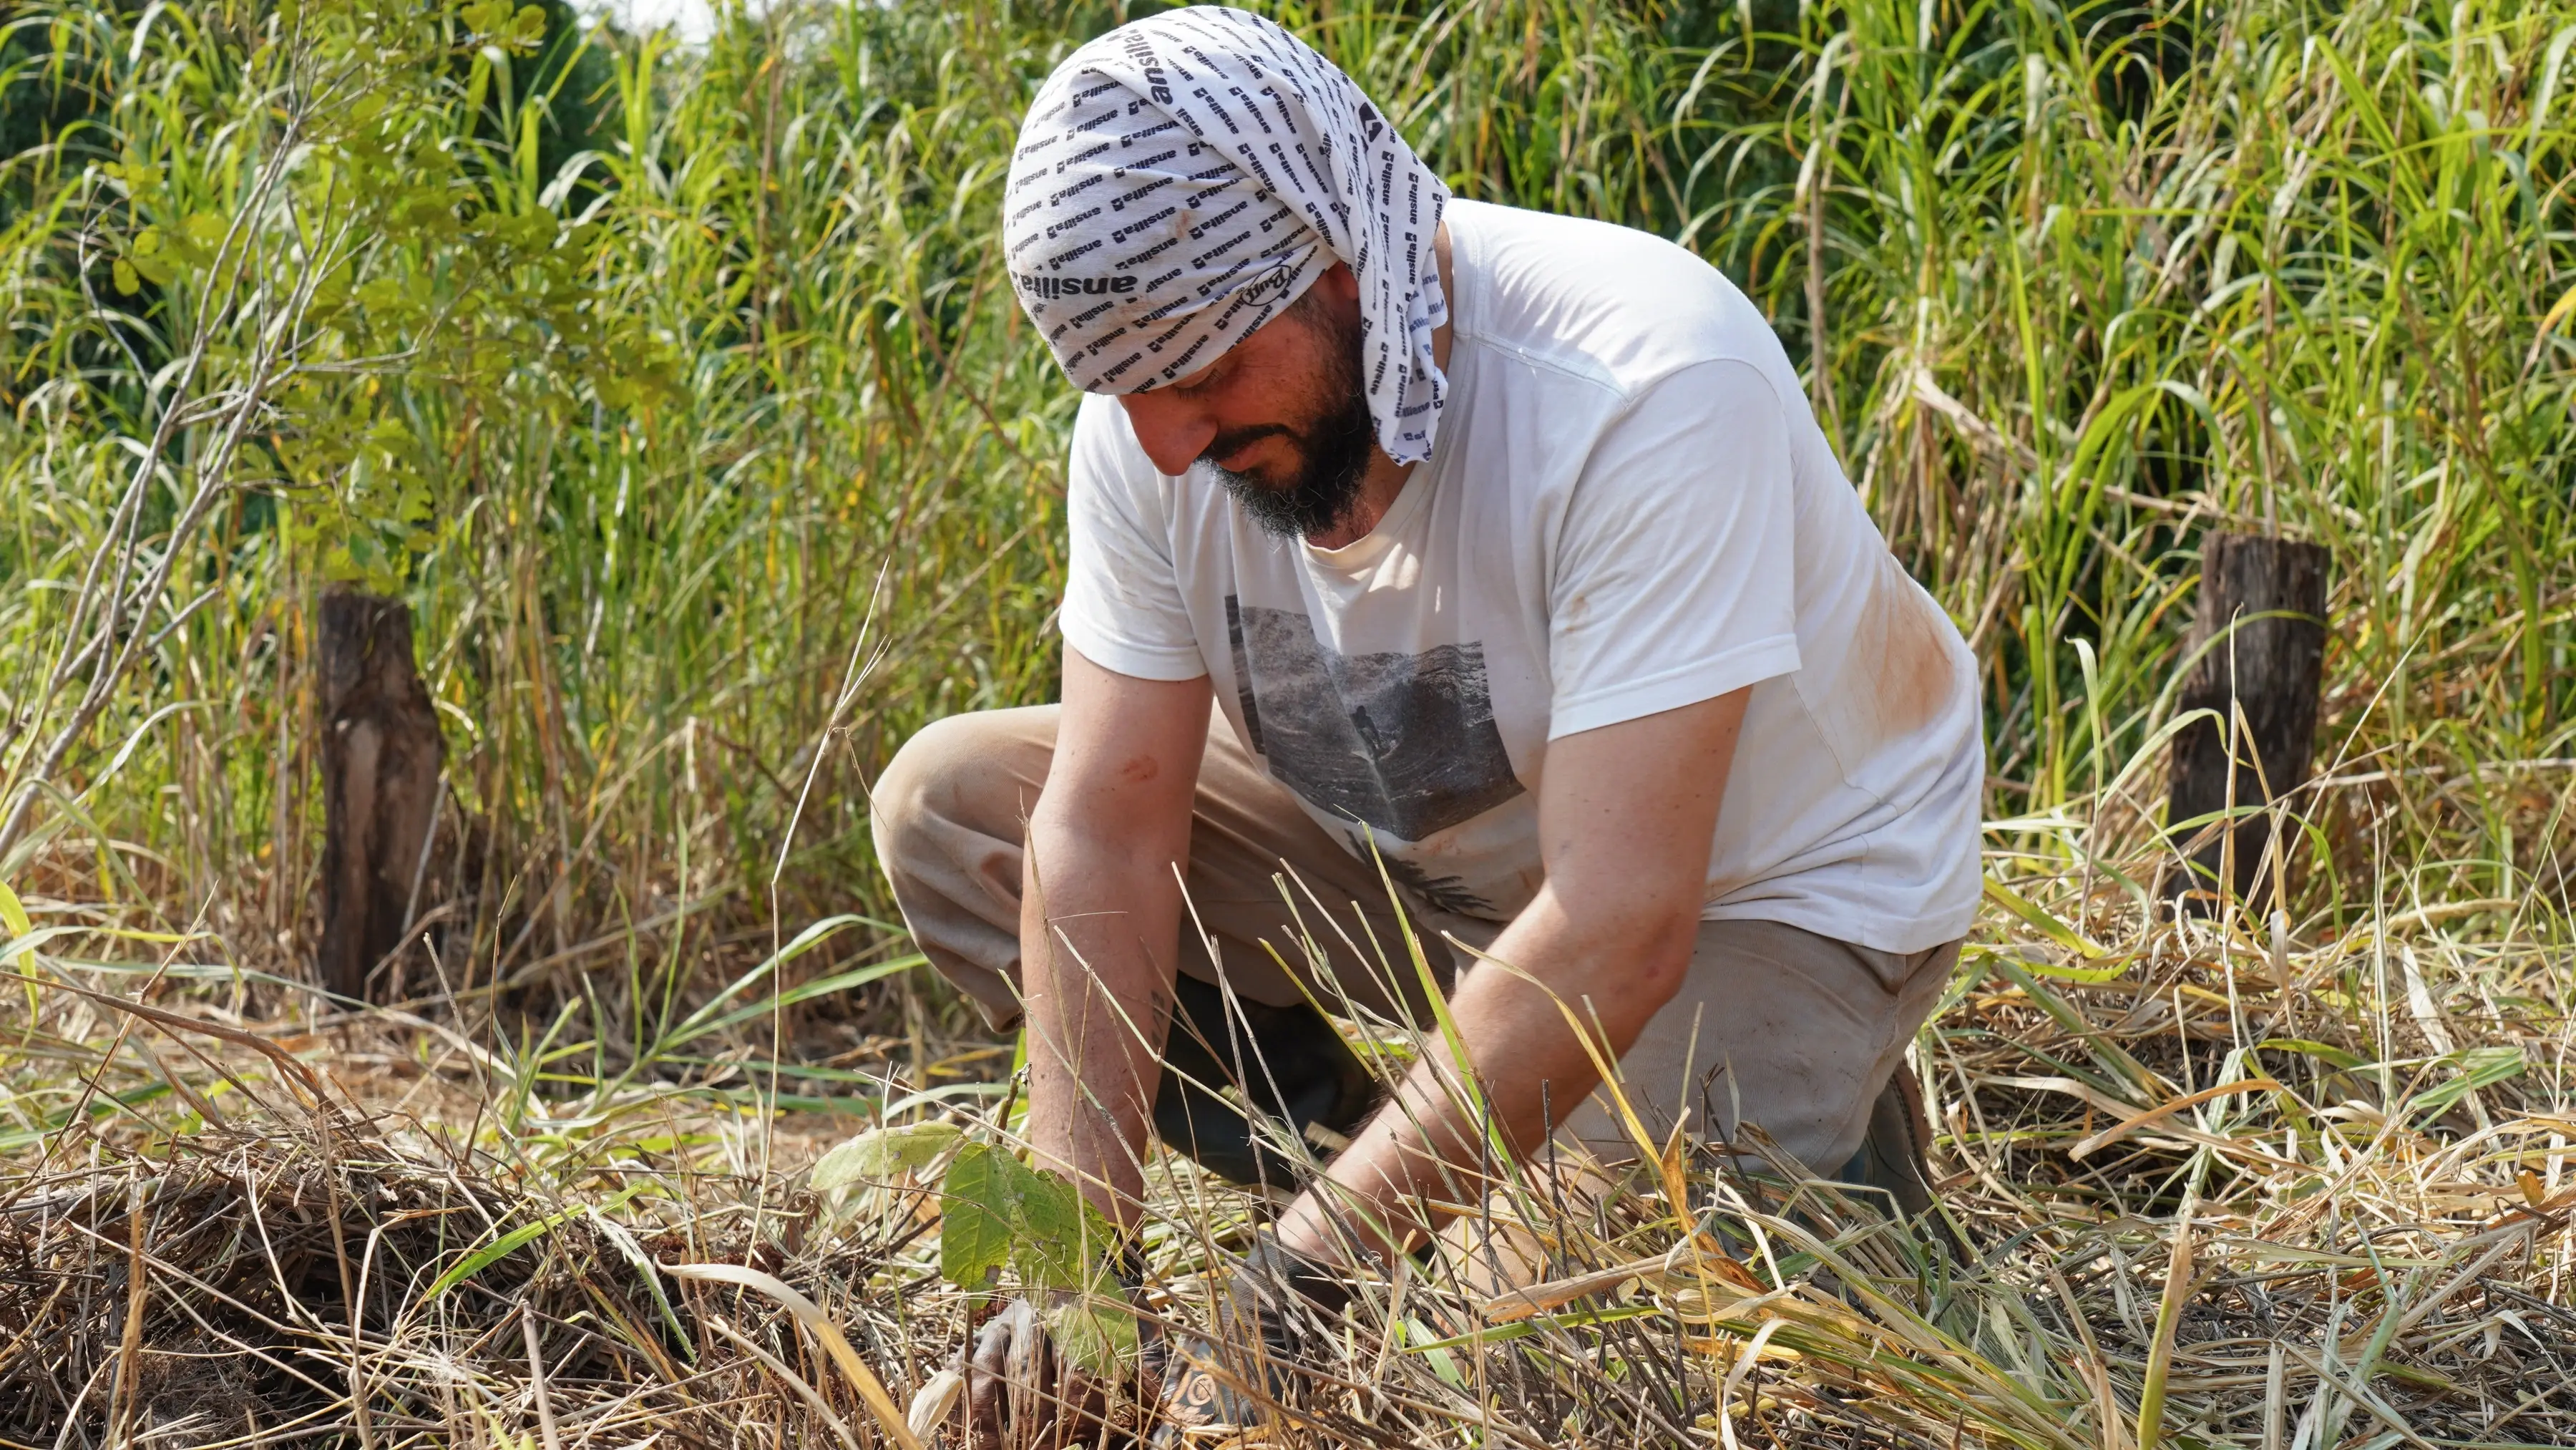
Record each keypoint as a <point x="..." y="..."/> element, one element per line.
<point x="1339" y="287"/>
<point x="1330" y="305"/>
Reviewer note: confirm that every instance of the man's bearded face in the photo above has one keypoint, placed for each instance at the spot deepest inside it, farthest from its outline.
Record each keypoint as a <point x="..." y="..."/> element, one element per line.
<point x="1329" y="429"/>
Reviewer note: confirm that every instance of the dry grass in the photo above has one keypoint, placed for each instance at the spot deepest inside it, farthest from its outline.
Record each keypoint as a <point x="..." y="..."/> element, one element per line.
<point x="2360" y="1243"/>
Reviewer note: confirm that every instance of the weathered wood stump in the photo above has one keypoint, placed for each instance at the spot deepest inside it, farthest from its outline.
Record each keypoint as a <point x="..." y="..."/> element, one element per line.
<point x="381" y="753"/>
<point x="2257" y="658"/>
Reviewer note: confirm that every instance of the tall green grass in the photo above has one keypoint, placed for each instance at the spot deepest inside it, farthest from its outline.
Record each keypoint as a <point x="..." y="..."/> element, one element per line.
<point x="680" y="393"/>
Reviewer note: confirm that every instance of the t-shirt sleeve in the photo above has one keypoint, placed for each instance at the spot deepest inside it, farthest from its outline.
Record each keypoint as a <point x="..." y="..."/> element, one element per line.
<point x="1123" y="607"/>
<point x="1674" y="576"/>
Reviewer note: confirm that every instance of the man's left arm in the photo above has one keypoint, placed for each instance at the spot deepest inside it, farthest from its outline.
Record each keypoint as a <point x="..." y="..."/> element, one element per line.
<point x="1626" y="815"/>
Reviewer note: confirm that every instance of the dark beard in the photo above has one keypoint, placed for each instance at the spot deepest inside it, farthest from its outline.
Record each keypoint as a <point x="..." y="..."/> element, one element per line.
<point x="1334" y="449"/>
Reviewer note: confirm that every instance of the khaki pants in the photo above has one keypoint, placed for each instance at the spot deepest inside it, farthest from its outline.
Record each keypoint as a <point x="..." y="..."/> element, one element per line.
<point x="1774" y="1025"/>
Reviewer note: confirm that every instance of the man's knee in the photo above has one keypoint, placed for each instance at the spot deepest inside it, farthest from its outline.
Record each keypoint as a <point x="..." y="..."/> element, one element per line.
<point x="962" y="769"/>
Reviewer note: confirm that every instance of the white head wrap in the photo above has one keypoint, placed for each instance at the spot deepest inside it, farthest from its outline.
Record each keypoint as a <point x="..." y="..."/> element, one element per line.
<point x="1181" y="179"/>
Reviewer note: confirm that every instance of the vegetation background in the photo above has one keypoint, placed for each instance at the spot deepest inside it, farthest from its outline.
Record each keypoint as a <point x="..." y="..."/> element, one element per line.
<point x="678" y="391"/>
<point x="659" y="381"/>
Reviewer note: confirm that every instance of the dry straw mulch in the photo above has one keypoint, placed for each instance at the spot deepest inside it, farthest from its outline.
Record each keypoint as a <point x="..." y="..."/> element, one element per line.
<point x="2228" y="1193"/>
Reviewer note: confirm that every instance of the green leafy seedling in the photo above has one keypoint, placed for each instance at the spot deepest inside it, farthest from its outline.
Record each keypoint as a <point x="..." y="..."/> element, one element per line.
<point x="1000" y="1214"/>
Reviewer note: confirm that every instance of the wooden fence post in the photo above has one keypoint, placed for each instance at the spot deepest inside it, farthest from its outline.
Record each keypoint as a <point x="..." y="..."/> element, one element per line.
<point x="2256" y="657"/>
<point x="381" y="753"/>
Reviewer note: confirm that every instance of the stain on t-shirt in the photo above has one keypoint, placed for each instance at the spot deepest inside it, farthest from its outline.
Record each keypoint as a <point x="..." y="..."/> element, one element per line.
<point x="1899" y="677"/>
<point x="1902" y="653"/>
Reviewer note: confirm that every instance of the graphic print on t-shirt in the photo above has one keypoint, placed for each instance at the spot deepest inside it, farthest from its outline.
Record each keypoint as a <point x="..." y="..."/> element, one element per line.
<point x="1403" y="742"/>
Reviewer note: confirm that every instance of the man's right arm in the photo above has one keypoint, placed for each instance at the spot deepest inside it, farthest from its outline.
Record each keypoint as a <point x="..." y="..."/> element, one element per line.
<point x="1100" y="920"/>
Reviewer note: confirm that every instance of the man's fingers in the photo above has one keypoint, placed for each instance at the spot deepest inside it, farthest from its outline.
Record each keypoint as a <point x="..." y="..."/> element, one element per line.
<point x="1028" y="1373"/>
<point x="1098" y="1411"/>
<point x="987" y="1379"/>
<point x="1022" y="1395"/>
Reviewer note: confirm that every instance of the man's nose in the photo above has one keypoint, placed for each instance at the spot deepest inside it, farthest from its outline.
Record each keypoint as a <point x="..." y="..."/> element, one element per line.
<point x="1173" y="430"/>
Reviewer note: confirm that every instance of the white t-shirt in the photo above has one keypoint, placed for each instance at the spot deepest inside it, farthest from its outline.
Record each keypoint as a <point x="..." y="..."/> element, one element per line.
<point x="1629" y="508"/>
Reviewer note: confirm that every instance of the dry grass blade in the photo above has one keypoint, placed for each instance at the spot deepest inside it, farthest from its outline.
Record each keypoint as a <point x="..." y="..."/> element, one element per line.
<point x="789" y="1378"/>
<point x="811" y="1315"/>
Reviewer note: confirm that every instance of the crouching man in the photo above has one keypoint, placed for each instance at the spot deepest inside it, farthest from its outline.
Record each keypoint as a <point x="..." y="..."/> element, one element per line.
<point x="1497" y="547"/>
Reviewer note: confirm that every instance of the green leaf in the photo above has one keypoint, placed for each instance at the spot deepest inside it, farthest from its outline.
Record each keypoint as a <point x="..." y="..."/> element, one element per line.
<point x="2322" y="1051"/>
<point x="1535" y="1324"/>
<point x="1062" y="1240"/>
<point x="642" y="1263"/>
<point x="384" y="294"/>
<point x="517" y="1238"/>
<point x="2127" y="1077"/>
<point x="22" y="947"/>
<point x="147" y="256"/>
<point x="497" y="1250"/>
<point x="2055" y="930"/>
<point x="882" y="1153"/>
<point x="975" y="1226"/>
<point x="127" y="283"/>
<point x="705" y="1019"/>
<point x="1094" y="1330"/>
<point x="819" y="987"/>
<point x="2479" y="1067"/>
<point x="1002" y="1213"/>
<point x="13" y="913"/>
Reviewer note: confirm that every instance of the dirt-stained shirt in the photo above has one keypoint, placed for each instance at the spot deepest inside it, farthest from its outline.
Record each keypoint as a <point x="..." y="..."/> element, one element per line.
<point x="1629" y="508"/>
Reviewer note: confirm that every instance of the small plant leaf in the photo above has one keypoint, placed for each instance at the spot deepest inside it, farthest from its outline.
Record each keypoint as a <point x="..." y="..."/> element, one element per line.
<point x="1093" y="1331"/>
<point x="882" y="1153"/>
<point x="1001" y="1213"/>
<point x="975" y="1226"/>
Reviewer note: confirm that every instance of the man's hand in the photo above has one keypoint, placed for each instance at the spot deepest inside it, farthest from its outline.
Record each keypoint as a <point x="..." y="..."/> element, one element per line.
<point x="1272" y="1315"/>
<point x="1272" y="1318"/>
<point x="1626" y="816"/>
<point x="1021" y="1395"/>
